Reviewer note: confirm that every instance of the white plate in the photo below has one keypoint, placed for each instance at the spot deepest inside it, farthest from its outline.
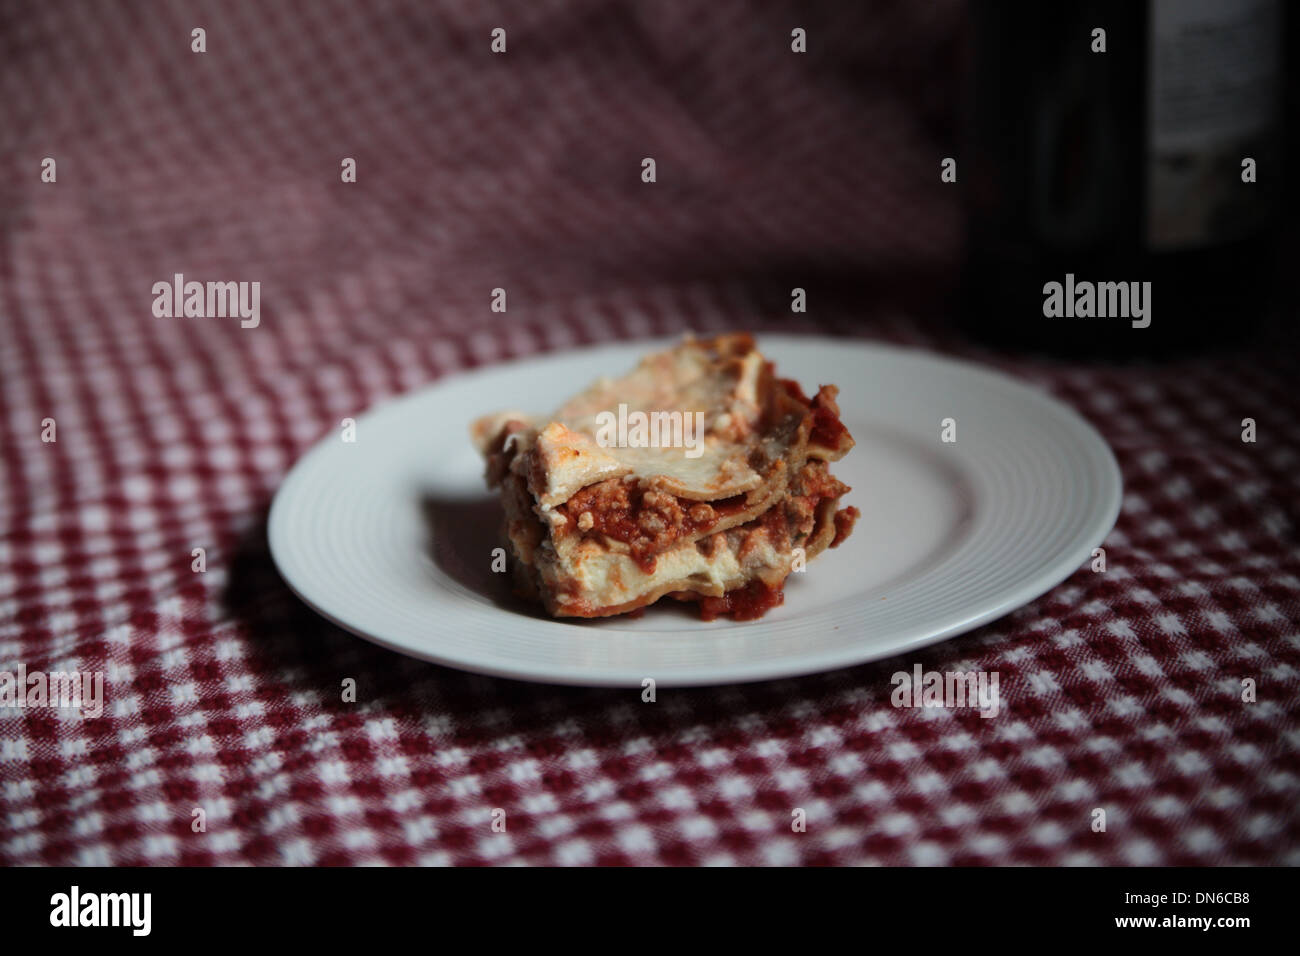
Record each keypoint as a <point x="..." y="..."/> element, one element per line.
<point x="391" y="536"/>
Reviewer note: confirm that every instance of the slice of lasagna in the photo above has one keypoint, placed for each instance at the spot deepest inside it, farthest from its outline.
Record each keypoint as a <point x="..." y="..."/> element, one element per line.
<point x="699" y="476"/>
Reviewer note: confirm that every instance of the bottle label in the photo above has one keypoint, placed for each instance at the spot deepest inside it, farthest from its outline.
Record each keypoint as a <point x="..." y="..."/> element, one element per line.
<point x="1212" y="102"/>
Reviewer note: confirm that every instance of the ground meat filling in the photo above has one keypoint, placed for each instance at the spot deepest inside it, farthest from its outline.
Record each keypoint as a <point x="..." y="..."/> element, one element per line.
<point x="648" y="522"/>
<point x="827" y="429"/>
<point x="845" y="519"/>
<point x="651" y="522"/>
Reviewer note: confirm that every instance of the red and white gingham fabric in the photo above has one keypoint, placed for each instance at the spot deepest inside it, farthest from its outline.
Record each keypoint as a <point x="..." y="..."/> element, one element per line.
<point x="521" y="171"/>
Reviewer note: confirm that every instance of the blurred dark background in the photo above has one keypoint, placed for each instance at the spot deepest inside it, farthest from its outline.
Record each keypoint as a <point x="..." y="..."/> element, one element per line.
<point x="1109" y="140"/>
<point x="521" y="170"/>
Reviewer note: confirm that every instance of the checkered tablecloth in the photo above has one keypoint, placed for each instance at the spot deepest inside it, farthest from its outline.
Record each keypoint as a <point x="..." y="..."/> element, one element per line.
<point x="1120" y="690"/>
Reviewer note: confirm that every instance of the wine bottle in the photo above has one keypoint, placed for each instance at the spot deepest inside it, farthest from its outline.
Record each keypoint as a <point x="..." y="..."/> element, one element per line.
<point x="1122" y="171"/>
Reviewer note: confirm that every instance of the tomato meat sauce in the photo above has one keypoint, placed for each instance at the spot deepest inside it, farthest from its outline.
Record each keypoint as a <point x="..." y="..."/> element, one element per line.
<point x="648" y="522"/>
<point x="747" y="603"/>
<point x="827" y="429"/>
